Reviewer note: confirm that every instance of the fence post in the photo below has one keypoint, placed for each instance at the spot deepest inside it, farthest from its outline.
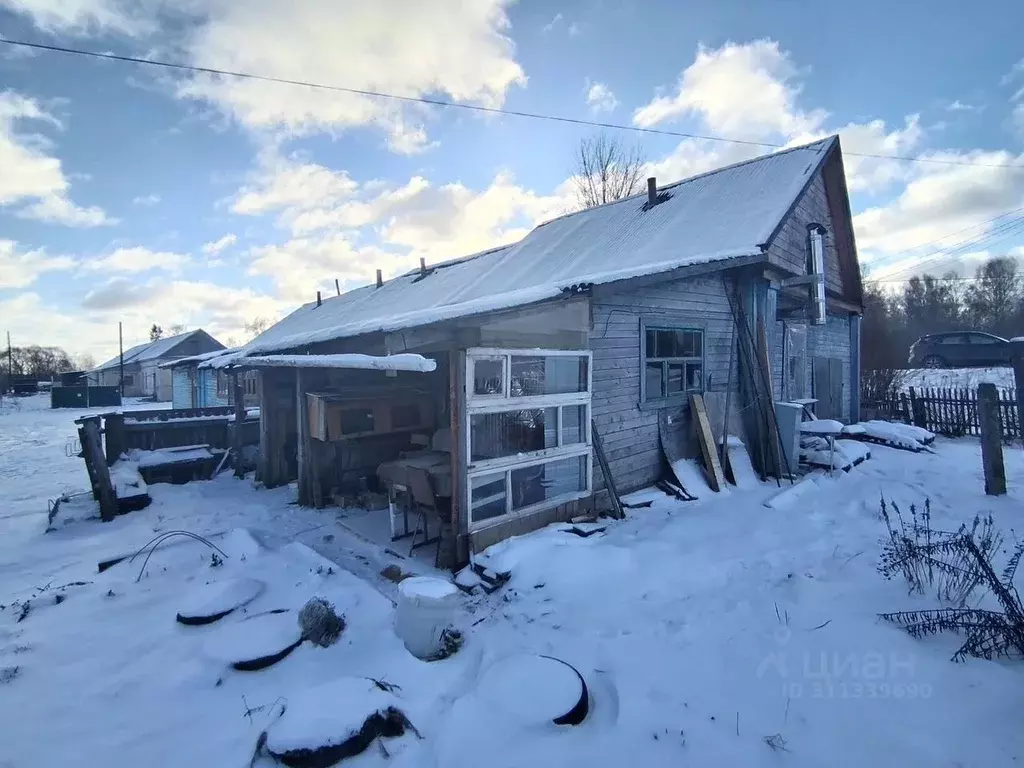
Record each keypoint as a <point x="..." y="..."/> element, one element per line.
<point x="113" y="430"/>
<point x="991" y="439"/>
<point x="1017" y="359"/>
<point x="917" y="412"/>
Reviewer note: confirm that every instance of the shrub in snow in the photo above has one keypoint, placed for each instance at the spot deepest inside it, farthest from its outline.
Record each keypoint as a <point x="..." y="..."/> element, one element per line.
<point x="320" y="623"/>
<point x="956" y="565"/>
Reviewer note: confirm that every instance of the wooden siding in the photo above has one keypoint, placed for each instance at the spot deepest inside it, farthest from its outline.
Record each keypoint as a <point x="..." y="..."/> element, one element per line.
<point x="629" y="430"/>
<point x="831" y="340"/>
<point x="181" y="387"/>
<point x="790" y="247"/>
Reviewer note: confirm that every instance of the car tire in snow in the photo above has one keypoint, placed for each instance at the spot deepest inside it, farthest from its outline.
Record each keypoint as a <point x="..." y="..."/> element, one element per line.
<point x="256" y="642"/>
<point x="216" y="600"/>
<point x="934" y="361"/>
<point x="534" y="689"/>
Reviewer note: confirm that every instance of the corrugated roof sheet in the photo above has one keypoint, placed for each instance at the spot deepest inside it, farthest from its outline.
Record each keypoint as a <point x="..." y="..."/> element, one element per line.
<point x="718" y="215"/>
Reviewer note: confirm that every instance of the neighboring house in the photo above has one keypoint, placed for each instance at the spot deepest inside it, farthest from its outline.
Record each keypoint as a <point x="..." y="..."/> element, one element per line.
<point x="143" y="376"/>
<point x="611" y="316"/>
<point x="195" y="387"/>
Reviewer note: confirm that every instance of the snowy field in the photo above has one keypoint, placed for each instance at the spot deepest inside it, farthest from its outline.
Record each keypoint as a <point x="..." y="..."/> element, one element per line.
<point x="959" y="378"/>
<point x="715" y="632"/>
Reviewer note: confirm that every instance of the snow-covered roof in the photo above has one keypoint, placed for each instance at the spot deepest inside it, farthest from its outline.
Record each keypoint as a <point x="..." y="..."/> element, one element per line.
<point x="400" y="362"/>
<point x="722" y="214"/>
<point x="198" y="358"/>
<point x="149" y="350"/>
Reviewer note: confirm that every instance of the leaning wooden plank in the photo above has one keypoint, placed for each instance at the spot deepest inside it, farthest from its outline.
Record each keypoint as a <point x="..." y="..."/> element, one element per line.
<point x="716" y="478"/>
<point x="93" y="447"/>
<point x="606" y="471"/>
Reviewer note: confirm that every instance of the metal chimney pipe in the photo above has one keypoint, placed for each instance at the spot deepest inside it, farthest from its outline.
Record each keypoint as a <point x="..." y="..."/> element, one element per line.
<point x="423" y="266"/>
<point x="652" y="192"/>
<point x="380" y="278"/>
<point x="318" y="300"/>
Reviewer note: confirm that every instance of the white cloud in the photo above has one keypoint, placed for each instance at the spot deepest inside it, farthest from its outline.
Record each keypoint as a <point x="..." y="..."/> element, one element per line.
<point x="218" y="245"/>
<point x="289" y="184"/>
<point x="1015" y="71"/>
<point x="147" y="200"/>
<point x="138" y="259"/>
<point x="940" y="200"/>
<point x="574" y="29"/>
<point x="456" y="48"/>
<point x="19" y="269"/>
<point x="740" y="91"/>
<point x="83" y="16"/>
<point x="1017" y="117"/>
<point x="30" y="177"/>
<point x="555" y="21"/>
<point x="600" y="97"/>
<point x="959" y="106"/>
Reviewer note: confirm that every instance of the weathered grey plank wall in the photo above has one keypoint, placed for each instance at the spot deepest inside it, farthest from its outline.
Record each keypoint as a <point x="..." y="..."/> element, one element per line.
<point x="790" y="247"/>
<point x="630" y="431"/>
<point x="832" y="340"/>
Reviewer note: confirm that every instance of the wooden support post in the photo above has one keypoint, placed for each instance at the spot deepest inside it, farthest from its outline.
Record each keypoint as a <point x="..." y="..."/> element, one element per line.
<point x="92" y="451"/>
<point x="113" y="430"/>
<point x="1017" y="359"/>
<point x="764" y="362"/>
<point x="263" y="463"/>
<point x="457" y="426"/>
<point x="236" y="443"/>
<point x="917" y="410"/>
<point x="302" y="447"/>
<point x="991" y="440"/>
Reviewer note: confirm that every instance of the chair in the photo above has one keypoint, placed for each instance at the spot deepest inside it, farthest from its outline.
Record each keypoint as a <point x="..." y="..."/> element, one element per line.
<point x="427" y="505"/>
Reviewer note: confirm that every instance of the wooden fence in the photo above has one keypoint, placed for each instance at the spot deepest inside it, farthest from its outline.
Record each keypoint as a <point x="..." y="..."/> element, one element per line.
<point x="946" y="411"/>
<point x="153" y="430"/>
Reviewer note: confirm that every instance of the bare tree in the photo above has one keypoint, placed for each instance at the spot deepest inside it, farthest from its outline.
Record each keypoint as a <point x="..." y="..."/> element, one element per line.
<point x="256" y="326"/>
<point x="606" y="170"/>
<point x="84" y="361"/>
<point x="177" y="329"/>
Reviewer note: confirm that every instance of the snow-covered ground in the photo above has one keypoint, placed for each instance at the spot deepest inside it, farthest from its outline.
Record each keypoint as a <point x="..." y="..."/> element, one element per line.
<point x="958" y="378"/>
<point x="715" y="632"/>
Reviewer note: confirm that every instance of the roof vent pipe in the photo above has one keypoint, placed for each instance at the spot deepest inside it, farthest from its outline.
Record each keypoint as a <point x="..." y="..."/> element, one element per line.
<point x="337" y="286"/>
<point x="652" y="192"/>
<point x="318" y="300"/>
<point x="423" y="266"/>
<point x="380" y="279"/>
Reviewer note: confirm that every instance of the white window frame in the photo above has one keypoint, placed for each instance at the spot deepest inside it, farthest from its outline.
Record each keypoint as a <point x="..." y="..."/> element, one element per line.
<point x="504" y="402"/>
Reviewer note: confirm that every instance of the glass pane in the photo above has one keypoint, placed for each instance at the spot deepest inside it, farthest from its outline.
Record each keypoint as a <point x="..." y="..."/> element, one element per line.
<point x="487" y="376"/>
<point x="532" y="485"/>
<point x="653" y="374"/>
<point x="487" y="496"/>
<point x="675" y="378"/>
<point x="688" y="343"/>
<point x="652" y="343"/>
<point x="547" y="375"/>
<point x="574" y="424"/>
<point x="355" y="421"/>
<point x="667" y="344"/>
<point x="493" y="435"/>
<point x="694" y="377"/>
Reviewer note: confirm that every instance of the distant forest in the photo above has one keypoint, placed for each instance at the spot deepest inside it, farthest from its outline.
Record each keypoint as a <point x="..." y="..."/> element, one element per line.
<point x="992" y="300"/>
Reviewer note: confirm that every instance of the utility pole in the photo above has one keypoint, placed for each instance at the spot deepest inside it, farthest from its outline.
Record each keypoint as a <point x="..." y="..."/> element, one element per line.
<point x="120" y="348"/>
<point x="10" y="361"/>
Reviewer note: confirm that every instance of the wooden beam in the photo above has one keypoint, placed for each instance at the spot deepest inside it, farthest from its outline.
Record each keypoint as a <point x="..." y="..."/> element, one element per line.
<point x="92" y="451"/>
<point x="236" y="391"/>
<point x="716" y="478"/>
<point x="302" y="446"/>
<point x="457" y="421"/>
<point x="1017" y="359"/>
<point x="764" y="362"/>
<point x="991" y="439"/>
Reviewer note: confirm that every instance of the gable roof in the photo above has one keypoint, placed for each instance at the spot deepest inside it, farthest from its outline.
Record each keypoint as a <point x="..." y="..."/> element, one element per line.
<point x="152" y="350"/>
<point x="718" y="215"/>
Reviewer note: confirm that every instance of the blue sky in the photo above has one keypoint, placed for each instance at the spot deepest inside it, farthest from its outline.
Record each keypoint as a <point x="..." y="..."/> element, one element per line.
<point x="144" y="195"/>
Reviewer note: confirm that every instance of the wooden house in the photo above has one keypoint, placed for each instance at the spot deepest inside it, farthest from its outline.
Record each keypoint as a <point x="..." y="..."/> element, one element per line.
<point x="195" y="387"/>
<point x="142" y="371"/>
<point x="741" y="284"/>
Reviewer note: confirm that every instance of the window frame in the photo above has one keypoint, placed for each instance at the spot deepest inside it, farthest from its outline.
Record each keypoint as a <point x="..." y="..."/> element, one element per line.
<point x="505" y="403"/>
<point x="654" y="324"/>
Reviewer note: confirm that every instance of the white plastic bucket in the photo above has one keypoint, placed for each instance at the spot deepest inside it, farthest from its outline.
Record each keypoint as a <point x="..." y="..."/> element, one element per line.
<point x="426" y="608"/>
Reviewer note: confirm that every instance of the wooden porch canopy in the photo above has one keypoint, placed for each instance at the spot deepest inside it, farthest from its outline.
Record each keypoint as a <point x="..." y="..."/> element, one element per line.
<point x="401" y="362"/>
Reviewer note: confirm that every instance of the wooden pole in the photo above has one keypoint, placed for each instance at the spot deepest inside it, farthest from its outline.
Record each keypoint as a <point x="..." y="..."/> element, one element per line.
<point x="120" y="353"/>
<point x="991" y="440"/>
<point x="113" y="430"/>
<point x="1017" y="359"/>
<point x="236" y="391"/>
<point x="302" y="441"/>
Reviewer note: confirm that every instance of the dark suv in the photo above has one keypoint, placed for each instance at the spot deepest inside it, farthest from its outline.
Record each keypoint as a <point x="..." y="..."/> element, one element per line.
<point x="962" y="349"/>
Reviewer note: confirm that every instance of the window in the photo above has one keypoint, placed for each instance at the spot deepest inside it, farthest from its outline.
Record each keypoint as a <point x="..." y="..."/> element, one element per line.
<point x="528" y="436"/>
<point x="223" y="385"/>
<point x="128" y="380"/>
<point x="673" y="362"/>
<point x="981" y="338"/>
<point x="356" y="421"/>
<point x="953" y="338"/>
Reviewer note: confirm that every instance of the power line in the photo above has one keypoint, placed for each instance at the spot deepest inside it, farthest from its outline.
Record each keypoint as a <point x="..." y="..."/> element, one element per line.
<point x="470" y="107"/>
<point x="1003" y="232"/>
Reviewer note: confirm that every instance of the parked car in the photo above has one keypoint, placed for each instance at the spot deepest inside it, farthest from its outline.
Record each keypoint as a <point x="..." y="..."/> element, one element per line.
<point x="961" y="349"/>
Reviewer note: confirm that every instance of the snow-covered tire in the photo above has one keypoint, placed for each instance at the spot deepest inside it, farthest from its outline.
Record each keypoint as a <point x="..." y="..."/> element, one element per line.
<point x="534" y="689"/>
<point x="340" y="719"/>
<point x="257" y="642"/>
<point x="216" y="600"/>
